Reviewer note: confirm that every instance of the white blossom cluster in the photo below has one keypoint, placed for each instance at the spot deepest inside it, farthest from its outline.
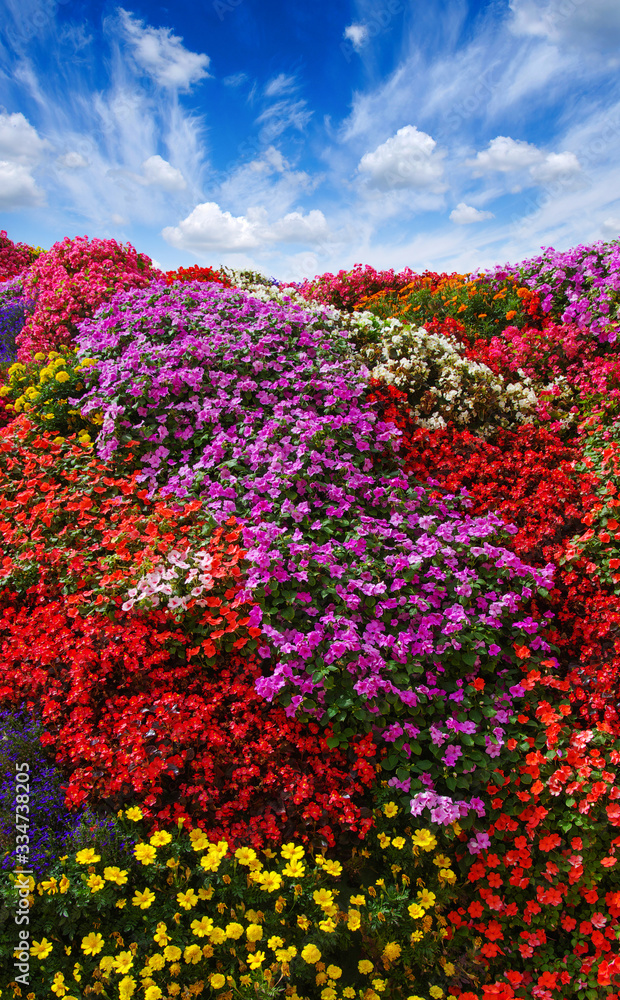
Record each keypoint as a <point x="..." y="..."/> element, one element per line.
<point x="179" y="578"/>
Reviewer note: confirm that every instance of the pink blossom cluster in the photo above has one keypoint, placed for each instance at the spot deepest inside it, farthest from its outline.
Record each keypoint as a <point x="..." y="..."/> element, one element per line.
<point x="69" y="282"/>
<point x="346" y="289"/>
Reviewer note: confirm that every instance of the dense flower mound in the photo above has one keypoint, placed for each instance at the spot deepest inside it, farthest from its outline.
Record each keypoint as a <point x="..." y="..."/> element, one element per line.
<point x="15" y="258"/>
<point x="265" y="418"/>
<point x="196" y="273"/>
<point x="69" y="282"/>
<point x="13" y="312"/>
<point x="347" y="289"/>
<point x="580" y="285"/>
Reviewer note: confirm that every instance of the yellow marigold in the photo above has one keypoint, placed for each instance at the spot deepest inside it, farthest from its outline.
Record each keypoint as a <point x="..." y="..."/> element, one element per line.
<point x="426" y="898"/>
<point x="398" y="843"/>
<point x="145" y="853"/>
<point x="390" y="809"/>
<point x="365" y="967"/>
<point x="160" y="838"/>
<point x="303" y="922"/>
<point x="292" y="851"/>
<point x="192" y="954"/>
<point x="153" y="993"/>
<point x="256" y="959"/>
<point x="334" y="971"/>
<point x="354" y="920"/>
<point x="217" y="935"/>
<point x="245" y="855"/>
<point x="270" y="881"/>
<point x="311" y="954"/>
<point x="254" y="932"/>
<point x="62" y="376"/>
<point x="41" y="949"/>
<point x="172" y="953"/>
<point x="114" y="874"/>
<point x="234" y="930"/>
<point x="294" y="869"/>
<point x="143" y="899"/>
<point x="123" y="961"/>
<point x="95" y="883"/>
<point x="134" y="813"/>
<point x="87" y="857"/>
<point x="392" y="951"/>
<point x="332" y="868"/>
<point x="416" y="912"/>
<point x="202" y="927"/>
<point x="436" y="992"/>
<point x="424" y="839"/>
<point x="323" y="898"/>
<point x="187" y="899"/>
<point x="126" y="988"/>
<point x="92" y="944"/>
<point x="217" y="980"/>
<point x="358" y="900"/>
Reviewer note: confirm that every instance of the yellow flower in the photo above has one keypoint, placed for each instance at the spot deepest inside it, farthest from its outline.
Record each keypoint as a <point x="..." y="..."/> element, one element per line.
<point x="436" y="992"/>
<point x="192" y="954"/>
<point x="303" y="922"/>
<point x="292" y="852"/>
<point x="39" y="356"/>
<point x="202" y="927"/>
<point x="365" y="967"/>
<point x="358" y="900"/>
<point x="390" y="809"/>
<point x="172" y="953"/>
<point x="392" y="951"/>
<point x="311" y="954"/>
<point x="354" y="920"/>
<point x="115" y="874"/>
<point x="87" y="856"/>
<point x="294" y="869"/>
<point x="416" y="936"/>
<point x="143" y="899"/>
<point x="217" y="981"/>
<point x="126" y="988"/>
<point x="329" y="993"/>
<point x="134" y="813"/>
<point x="256" y="959"/>
<point x="160" y="838"/>
<point x="95" y="883"/>
<point x="92" y="944"/>
<point x="379" y="984"/>
<point x="334" y="971"/>
<point x="199" y="839"/>
<point x="441" y="861"/>
<point x="106" y="964"/>
<point x="62" y="376"/>
<point x="217" y="935"/>
<point x="424" y="839"/>
<point x="121" y="903"/>
<point x="384" y="840"/>
<point x="446" y="875"/>
<point x="426" y="898"/>
<point x="275" y="942"/>
<point x="245" y="855"/>
<point x="153" y="993"/>
<point x="123" y="961"/>
<point x="234" y="931"/>
<point x="327" y="925"/>
<point x="270" y="881"/>
<point x="145" y="853"/>
<point x="349" y="993"/>
<point x="416" y="911"/>
<point x="448" y="969"/>
<point x="332" y="868"/>
<point x="254" y="932"/>
<point x="323" y="898"/>
<point x="156" y="962"/>
<point x="50" y="886"/>
<point x="187" y="899"/>
<point x="210" y="862"/>
<point x="398" y="843"/>
<point x="286" y="954"/>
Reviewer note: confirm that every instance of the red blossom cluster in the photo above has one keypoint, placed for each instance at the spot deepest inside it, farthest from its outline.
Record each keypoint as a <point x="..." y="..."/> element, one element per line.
<point x="197" y="273"/>
<point x="14" y="257"/>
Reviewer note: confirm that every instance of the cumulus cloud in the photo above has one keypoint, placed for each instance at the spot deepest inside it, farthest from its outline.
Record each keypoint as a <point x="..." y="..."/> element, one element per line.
<point x="406" y="160"/>
<point x="162" y="55"/>
<point x="464" y="215"/>
<point x="357" y="34"/>
<point x="506" y="155"/>
<point x="209" y="228"/>
<point x="18" y="188"/>
<point x="19" y="141"/>
<point x="161" y="174"/>
<point x="592" y="25"/>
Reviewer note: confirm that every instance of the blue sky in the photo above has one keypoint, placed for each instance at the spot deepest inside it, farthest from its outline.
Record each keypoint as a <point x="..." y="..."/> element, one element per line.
<point x="297" y="139"/>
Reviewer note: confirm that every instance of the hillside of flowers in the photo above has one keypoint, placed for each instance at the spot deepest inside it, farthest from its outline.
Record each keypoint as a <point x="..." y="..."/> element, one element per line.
<point x="310" y="630"/>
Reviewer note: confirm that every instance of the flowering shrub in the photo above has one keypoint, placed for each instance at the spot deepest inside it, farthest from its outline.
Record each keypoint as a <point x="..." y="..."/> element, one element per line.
<point x="48" y="389"/>
<point x="579" y="285"/>
<point x="197" y="273"/>
<point x="69" y="282"/>
<point x="13" y="311"/>
<point x="178" y="912"/>
<point x="347" y="289"/>
<point x="426" y="584"/>
<point x="15" y="258"/>
<point x="442" y="385"/>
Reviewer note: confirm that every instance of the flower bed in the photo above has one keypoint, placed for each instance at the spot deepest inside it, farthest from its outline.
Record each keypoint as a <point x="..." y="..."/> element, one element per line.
<point x="313" y="612"/>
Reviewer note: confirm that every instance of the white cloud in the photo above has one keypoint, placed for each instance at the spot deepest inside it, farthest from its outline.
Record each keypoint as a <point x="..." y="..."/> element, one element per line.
<point x="595" y="24"/>
<point x="279" y="85"/>
<point x="357" y="34"/>
<point x="610" y="229"/>
<point x="161" y="174"/>
<point x="281" y="116"/>
<point x="72" y="161"/>
<point x="209" y="228"/>
<point x="464" y="214"/>
<point x="505" y="154"/>
<point x="18" y="188"/>
<point x="162" y="55"/>
<point x="19" y="141"/>
<point x="556" y="167"/>
<point x="235" y="79"/>
<point x="406" y="160"/>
